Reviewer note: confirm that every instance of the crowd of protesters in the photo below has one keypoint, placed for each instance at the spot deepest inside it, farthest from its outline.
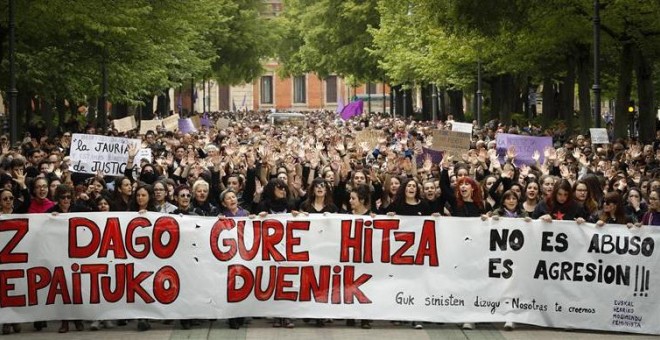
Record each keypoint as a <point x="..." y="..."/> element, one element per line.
<point x="318" y="166"/>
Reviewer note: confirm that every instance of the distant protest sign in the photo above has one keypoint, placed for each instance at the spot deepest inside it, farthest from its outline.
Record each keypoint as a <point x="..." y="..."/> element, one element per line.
<point x="125" y="124"/>
<point x="152" y="125"/>
<point x="222" y="123"/>
<point x="599" y="136"/>
<point x="93" y="153"/>
<point x="368" y="136"/>
<point x="451" y="142"/>
<point x="205" y="121"/>
<point x="461" y="127"/>
<point x="196" y="121"/>
<point x="171" y="123"/>
<point x="436" y="156"/>
<point x="525" y="147"/>
<point x="144" y="154"/>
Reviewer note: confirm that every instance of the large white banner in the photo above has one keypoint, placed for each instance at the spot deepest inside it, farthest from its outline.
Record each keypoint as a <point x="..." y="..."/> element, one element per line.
<point x="93" y="153"/>
<point x="559" y="274"/>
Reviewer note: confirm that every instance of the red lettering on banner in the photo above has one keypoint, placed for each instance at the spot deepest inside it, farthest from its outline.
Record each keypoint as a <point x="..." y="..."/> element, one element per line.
<point x="37" y="278"/>
<point x="219" y="226"/>
<point x="134" y="285"/>
<point x="292" y="241"/>
<point x="115" y="295"/>
<point x="385" y="226"/>
<point x="309" y="285"/>
<point x="94" y="270"/>
<point x="237" y="294"/>
<point x="139" y="222"/>
<point x="264" y="294"/>
<point x="165" y="225"/>
<point x="58" y="287"/>
<point x="7" y="300"/>
<point x="166" y="285"/>
<point x="357" y="237"/>
<point x="281" y="284"/>
<point x="256" y="240"/>
<point x="76" y="251"/>
<point x="427" y="245"/>
<point x="112" y="240"/>
<point x="268" y="251"/>
<point x="21" y="227"/>
<point x="408" y="239"/>
<point x="352" y="287"/>
<point x="349" y="242"/>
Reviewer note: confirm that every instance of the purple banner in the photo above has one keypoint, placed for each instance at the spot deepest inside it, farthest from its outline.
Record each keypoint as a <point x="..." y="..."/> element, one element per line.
<point x="186" y="125"/>
<point x="353" y="109"/>
<point x="525" y="147"/>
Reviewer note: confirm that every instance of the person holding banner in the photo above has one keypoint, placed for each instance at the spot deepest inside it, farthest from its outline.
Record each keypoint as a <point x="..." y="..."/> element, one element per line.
<point x="64" y="201"/>
<point x="201" y="202"/>
<point x="560" y="205"/>
<point x="613" y="211"/>
<point x="39" y="202"/>
<point x="319" y="198"/>
<point x="7" y="208"/>
<point x="183" y="199"/>
<point x="531" y="197"/>
<point x="360" y="204"/>
<point x="635" y="207"/>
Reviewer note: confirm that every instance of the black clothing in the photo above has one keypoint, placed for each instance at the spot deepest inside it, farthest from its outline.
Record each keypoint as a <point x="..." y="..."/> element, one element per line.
<point x="568" y="211"/>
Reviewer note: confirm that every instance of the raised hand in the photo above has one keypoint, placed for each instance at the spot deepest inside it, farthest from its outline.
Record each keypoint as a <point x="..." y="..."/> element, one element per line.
<point x="536" y="155"/>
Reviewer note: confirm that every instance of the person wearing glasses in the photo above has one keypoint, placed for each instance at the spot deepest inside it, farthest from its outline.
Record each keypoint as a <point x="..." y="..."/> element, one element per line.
<point x="613" y="211"/>
<point x="183" y="199"/>
<point x="652" y="216"/>
<point x="160" y="198"/>
<point x="319" y="198"/>
<point x="40" y="202"/>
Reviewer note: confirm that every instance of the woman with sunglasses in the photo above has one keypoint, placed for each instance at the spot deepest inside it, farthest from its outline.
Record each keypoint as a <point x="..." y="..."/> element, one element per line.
<point x="64" y="201"/>
<point x="652" y="216"/>
<point x="613" y="211"/>
<point x="183" y="198"/>
<point x="275" y="200"/>
<point x="319" y="198"/>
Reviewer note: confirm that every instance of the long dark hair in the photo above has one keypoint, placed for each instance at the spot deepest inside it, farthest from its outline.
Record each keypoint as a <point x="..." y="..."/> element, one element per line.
<point x="400" y="197"/>
<point x="151" y="204"/>
<point x="311" y="195"/>
<point x="561" y="184"/>
<point x="619" y="211"/>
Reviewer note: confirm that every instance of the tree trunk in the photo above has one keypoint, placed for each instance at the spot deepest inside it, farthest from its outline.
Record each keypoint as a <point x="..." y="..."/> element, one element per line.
<point x="496" y="97"/>
<point x="549" y="110"/>
<point x="567" y="94"/>
<point x="647" y="119"/>
<point x="442" y="107"/>
<point x="624" y="87"/>
<point x="147" y="110"/>
<point x="507" y="98"/>
<point x="584" y="80"/>
<point x="427" y="101"/>
<point x="456" y="104"/>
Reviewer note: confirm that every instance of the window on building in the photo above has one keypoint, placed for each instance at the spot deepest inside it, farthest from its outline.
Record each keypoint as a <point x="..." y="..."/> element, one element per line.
<point x="299" y="90"/>
<point x="372" y="88"/>
<point x="267" y="90"/>
<point x="331" y="89"/>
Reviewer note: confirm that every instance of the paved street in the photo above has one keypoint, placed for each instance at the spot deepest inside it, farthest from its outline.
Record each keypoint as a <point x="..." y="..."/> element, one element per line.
<point x="262" y="330"/>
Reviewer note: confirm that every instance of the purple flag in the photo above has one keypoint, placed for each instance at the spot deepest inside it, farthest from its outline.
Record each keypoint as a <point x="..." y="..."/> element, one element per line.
<point x="353" y="109"/>
<point x="340" y="104"/>
<point x="205" y="121"/>
<point x="186" y="125"/>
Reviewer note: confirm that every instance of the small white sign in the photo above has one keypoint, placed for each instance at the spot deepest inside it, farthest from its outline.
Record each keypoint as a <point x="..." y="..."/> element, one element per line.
<point x="461" y="127"/>
<point x="599" y="136"/>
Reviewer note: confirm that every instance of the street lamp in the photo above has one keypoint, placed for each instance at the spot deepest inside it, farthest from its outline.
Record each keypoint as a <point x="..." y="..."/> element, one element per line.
<point x="596" y="87"/>
<point x="13" y="93"/>
<point x="479" y="98"/>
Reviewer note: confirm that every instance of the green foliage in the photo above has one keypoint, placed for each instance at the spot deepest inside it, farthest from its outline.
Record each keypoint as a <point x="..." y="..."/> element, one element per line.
<point x="146" y="45"/>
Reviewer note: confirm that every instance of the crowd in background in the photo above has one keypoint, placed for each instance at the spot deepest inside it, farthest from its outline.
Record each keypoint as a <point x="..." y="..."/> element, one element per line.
<point x="317" y="165"/>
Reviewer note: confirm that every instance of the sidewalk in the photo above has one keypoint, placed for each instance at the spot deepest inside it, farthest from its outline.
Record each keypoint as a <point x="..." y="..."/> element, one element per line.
<point x="261" y="329"/>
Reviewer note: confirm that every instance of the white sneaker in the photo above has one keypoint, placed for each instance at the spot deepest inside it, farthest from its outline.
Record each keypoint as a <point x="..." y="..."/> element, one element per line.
<point x="417" y="325"/>
<point x="509" y="326"/>
<point x="95" y="326"/>
<point x="468" y="325"/>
